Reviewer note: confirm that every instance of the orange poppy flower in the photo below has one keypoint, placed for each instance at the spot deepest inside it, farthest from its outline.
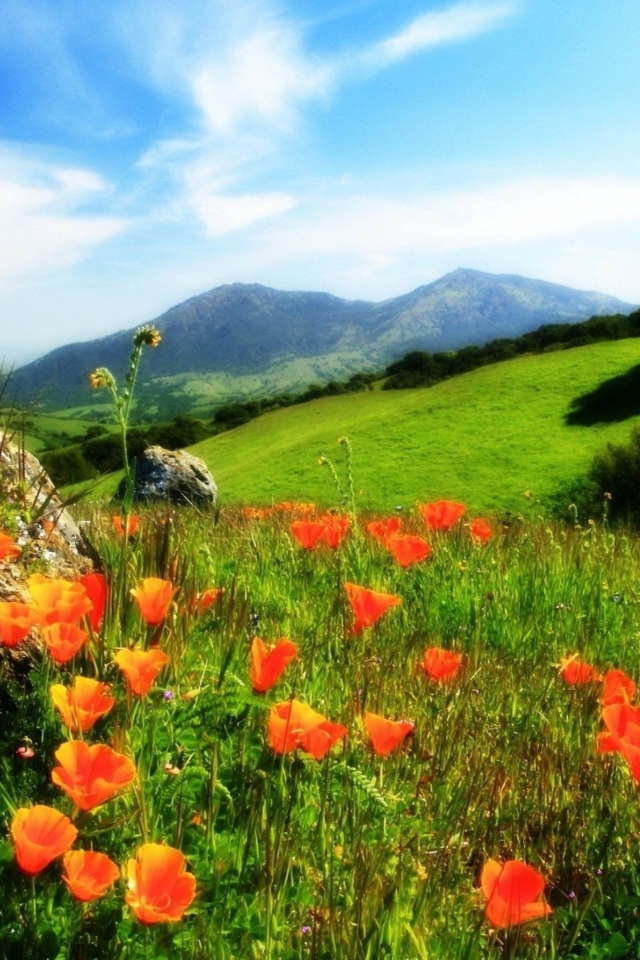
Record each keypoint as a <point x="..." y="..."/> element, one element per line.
<point x="267" y="664"/>
<point x="441" y="665"/>
<point x="481" y="530"/>
<point x="307" y="532"/>
<point x="133" y="523"/>
<point x="513" y="890"/>
<point x="335" y="529"/>
<point x="81" y="705"/>
<point x="58" y="600"/>
<point x="208" y="598"/>
<point x="576" y="672"/>
<point x="9" y="549"/>
<point x="63" y="640"/>
<point x="16" y="620"/>
<point x="408" y="549"/>
<point x="254" y="513"/>
<point x="441" y="515"/>
<point x="386" y="735"/>
<point x="88" y="874"/>
<point x="40" y="834"/>
<point x="623" y="734"/>
<point x="294" y="724"/>
<point x="368" y="606"/>
<point x="618" y="688"/>
<point x="160" y="889"/>
<point x="382" y="529"/>
<point x="91" y="775"/>
<point x="96" y="586"/>
<point x="141" y="667"/>
<point x="154" y="597"/>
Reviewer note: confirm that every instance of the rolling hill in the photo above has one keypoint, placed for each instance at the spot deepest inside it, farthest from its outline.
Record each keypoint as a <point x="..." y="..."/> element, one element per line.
<point x="484" y="437"/>
<point x="243" y="340"/>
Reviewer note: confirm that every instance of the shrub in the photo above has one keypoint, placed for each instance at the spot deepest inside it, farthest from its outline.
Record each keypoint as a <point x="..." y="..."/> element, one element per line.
<point x="615" y="471"/>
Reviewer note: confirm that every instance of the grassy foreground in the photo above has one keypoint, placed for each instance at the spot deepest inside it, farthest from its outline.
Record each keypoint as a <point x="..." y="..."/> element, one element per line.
<point x="354" y="855"/>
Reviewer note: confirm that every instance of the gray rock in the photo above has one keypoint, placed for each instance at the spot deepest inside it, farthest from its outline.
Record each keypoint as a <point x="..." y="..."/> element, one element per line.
<point x="172" y="475"/>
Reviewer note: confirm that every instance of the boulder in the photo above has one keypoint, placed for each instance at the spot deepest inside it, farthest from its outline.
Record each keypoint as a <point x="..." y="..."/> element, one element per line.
<point x="172" y="475"/>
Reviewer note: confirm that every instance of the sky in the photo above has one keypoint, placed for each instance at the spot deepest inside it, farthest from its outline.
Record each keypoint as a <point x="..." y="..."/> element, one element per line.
<point x="151" y="150"/>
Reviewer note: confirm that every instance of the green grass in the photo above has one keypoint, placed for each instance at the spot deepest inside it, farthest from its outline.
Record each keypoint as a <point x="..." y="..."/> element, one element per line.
<point x="485" y="437"/>
<point x="354" y="856"/>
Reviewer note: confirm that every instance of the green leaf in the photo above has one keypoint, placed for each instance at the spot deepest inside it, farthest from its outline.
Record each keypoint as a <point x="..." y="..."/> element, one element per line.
<point x="617" y="946"/>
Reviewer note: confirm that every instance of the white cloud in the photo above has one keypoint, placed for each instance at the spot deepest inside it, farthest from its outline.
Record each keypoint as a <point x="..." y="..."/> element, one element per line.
<point x="432" y="29"/>
<point x="41" y="225"/>
<point x="225" y="214"/>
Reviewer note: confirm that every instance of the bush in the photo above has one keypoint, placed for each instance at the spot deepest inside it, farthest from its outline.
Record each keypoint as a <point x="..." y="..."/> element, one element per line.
<point x="615" y="472"/>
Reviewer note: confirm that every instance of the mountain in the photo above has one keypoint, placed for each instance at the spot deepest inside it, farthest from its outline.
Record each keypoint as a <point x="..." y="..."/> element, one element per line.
<point x="240" y="339"/>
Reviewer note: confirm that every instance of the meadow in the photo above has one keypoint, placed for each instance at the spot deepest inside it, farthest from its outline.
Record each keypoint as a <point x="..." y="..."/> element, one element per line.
<point x="322" y="845"/>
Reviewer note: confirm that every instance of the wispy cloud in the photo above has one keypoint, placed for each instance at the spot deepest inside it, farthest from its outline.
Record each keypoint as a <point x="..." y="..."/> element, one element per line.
<point x="43" y="220"/>
<point x="459" y="22"/>
<point x="250" y="87"/>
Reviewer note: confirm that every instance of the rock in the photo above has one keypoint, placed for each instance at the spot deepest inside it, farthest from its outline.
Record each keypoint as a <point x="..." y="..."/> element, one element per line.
<point x="172" y="475"/>
<point x="46" y="531"/>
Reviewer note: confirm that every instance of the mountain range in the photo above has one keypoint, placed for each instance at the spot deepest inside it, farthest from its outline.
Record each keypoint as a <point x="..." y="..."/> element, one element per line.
<point x="242" y="339"/>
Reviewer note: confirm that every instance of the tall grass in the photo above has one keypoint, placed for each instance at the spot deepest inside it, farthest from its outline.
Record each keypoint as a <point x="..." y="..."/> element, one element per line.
<point x="354" y="856"/>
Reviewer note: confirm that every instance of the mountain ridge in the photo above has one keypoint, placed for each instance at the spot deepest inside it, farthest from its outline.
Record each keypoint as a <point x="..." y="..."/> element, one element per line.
<point x="241" y="331"/>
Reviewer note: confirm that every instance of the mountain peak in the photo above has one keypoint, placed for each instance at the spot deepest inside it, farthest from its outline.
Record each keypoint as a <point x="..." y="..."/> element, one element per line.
<point x="272" y="340"/>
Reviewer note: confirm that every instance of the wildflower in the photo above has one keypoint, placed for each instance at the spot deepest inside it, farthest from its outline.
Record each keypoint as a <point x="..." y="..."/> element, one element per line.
<point x="294" y="724"/>
<point x="63" y="640"/>
<point x="481" y="530"/>
<point x="160" y="889"/>
<point x="368" y="606"/>
<point x="141" y="667"/>
<point x="57" y="600"/>
<point x="208" y="598"/>
<point x="408" y="549"/>
<point x="267" y="664"/>
<point x="16" y="620"/>
<point x="147" y="336"/>
<point x="618" y="688"/>
<point x="91" y="775"/>
<point x="168" y="695"/>
<point x="96" y="586"/>
<point x="382" y="529"/>
<point x="307" y="532"/>
<point x="576" y="672"/>
<point x="133" y="523"/>
<point x="386" y="735"/>
<point x="88" y="874"/>
<point x="335" y="529"/>
<point x="441" y="515"/>
<point x="441" y="665"/>
<point x="100" y="378"/>
<point x="9" y="549"/>
<point x="254" y="513"/>
<point x="26" y="752"/>
<point x="40" y="834"/>
<point x="513" y="890"/>
<point x="622" y="721"/>
<point x="153" y="597"/>
<point x="82" y="704"/>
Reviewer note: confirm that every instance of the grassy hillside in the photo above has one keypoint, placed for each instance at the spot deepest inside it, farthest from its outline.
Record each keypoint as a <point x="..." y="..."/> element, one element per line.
<point x="484" y="437"/>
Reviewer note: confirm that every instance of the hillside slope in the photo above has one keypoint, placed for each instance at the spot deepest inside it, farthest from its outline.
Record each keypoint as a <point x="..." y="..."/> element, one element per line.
<point x="484" y="437"/>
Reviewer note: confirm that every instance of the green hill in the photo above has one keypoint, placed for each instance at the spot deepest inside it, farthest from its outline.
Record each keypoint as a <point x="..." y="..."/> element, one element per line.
<point x="484" y="437"/>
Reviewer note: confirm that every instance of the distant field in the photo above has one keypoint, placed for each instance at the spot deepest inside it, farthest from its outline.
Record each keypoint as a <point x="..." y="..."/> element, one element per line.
<point x="485" y="437"/>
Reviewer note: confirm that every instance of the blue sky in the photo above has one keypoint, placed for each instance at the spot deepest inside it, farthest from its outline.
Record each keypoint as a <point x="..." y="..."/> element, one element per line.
<point x="153" y="149"/>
